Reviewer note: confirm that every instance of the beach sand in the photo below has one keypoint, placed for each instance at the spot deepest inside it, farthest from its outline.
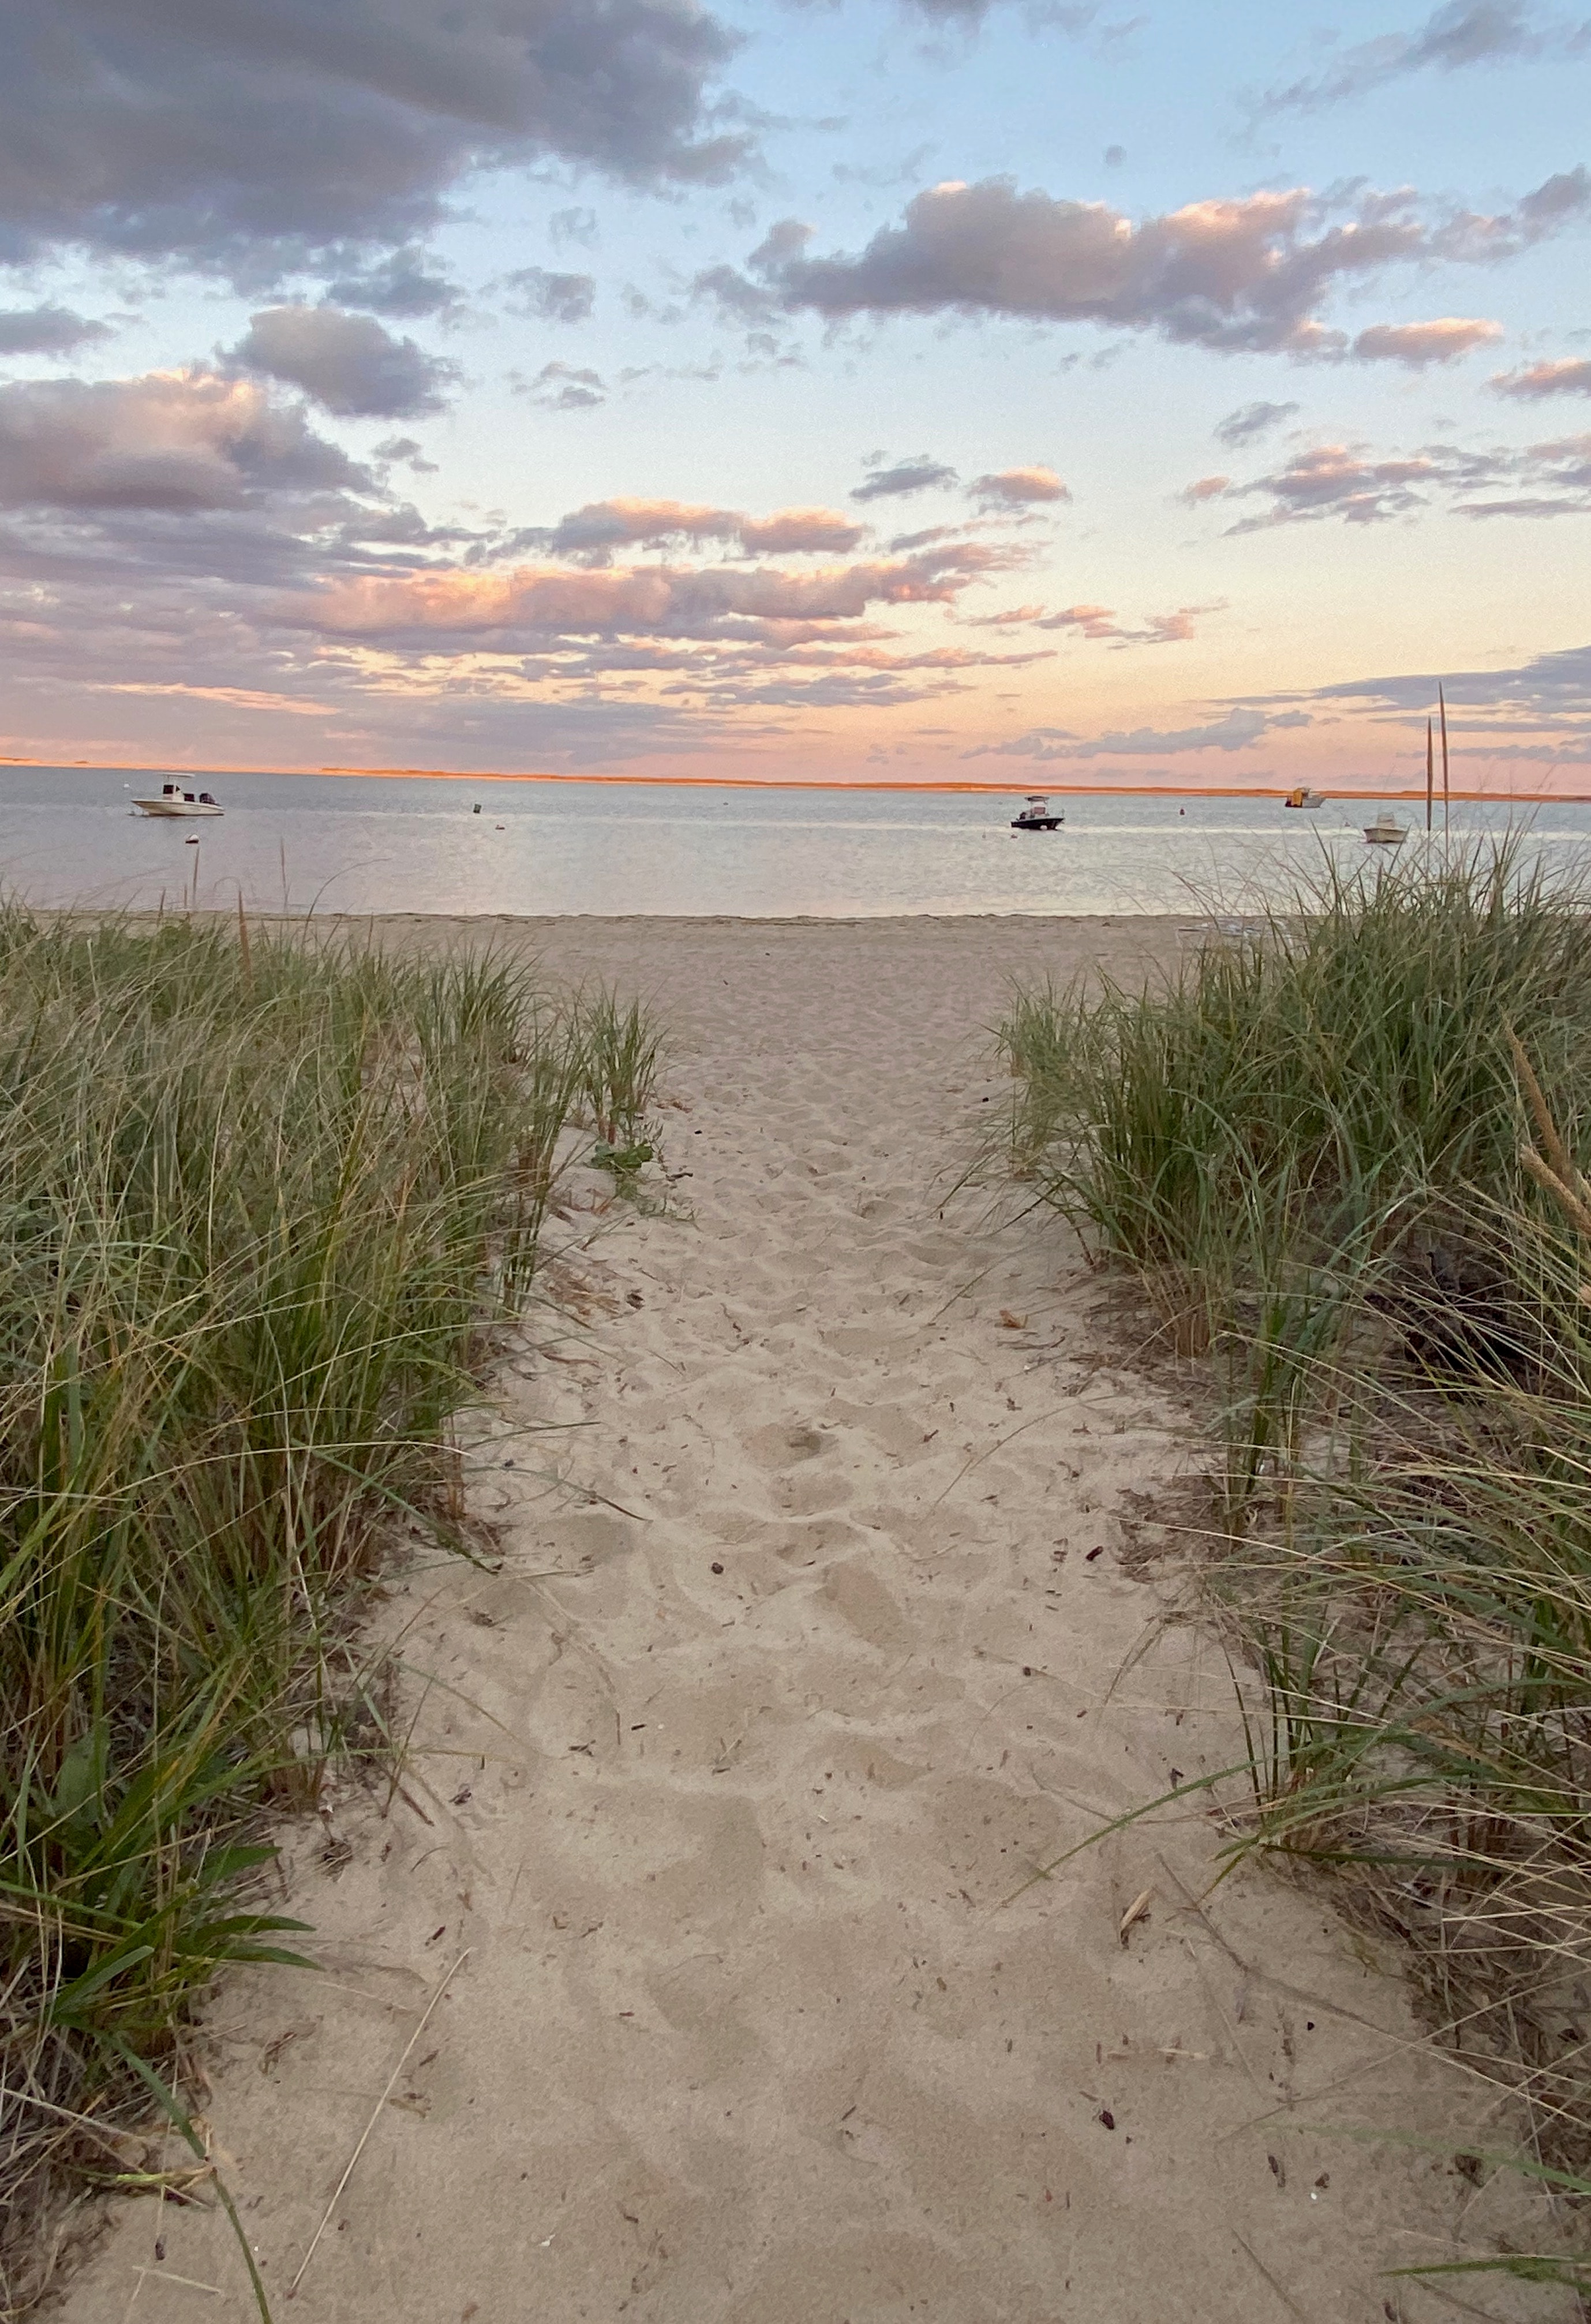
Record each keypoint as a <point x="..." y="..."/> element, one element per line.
<point x="727" y="1791"/>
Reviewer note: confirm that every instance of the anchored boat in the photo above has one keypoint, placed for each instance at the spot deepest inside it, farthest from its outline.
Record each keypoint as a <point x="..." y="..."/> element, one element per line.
<point x="1304" y="796"/>
<point x="1386" y="831"/>
<point x="174" y="800"/>
<point x="1036" y="815"/>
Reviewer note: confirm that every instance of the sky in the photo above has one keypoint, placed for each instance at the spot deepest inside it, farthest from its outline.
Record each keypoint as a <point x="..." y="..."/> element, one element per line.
<point x="904" y="390"/>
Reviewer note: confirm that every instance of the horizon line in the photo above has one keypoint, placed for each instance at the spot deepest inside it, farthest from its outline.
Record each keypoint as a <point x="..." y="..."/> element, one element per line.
<point x="815" y="783"/>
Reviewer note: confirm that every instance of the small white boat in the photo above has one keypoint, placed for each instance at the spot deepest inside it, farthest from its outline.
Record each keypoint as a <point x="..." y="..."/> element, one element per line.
<point x="1386" y="831"/>
<point x="1305" y="798"/>
<point x="1036" y="815"/>
<point x="174" y="800"/>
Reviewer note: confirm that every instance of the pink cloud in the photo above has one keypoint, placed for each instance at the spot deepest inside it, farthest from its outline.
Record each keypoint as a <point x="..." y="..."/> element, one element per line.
<point x="1570" y="376"/>
<point x="530" y="601"/>
<point x="1019" y="487"/>
<point x="1441" y="340"/>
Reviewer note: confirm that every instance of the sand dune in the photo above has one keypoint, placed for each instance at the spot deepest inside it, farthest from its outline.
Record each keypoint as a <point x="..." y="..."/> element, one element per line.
<point x="730" y="1785"/>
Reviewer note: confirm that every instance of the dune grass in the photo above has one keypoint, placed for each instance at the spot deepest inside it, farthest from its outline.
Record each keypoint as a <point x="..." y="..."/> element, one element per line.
<point x="1339" y="1152"/>
<point x="263" y="1202"/>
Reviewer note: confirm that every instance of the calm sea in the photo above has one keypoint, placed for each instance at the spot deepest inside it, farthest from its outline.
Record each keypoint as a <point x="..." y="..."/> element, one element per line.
<point x="369" y="844"/>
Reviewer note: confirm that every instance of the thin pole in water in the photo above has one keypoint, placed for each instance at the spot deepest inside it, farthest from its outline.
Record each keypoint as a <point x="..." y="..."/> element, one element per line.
<point x="1430" y="776"/>
<point x="1442" y="706"/>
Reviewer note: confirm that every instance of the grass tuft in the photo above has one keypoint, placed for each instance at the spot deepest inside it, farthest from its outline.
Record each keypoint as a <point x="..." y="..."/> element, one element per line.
<point x="1342" y="1153"/>
<point x="263" y="1203"/>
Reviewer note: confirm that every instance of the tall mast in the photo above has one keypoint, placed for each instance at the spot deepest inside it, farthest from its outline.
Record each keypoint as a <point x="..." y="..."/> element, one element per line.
<point x="1442" y="705"/>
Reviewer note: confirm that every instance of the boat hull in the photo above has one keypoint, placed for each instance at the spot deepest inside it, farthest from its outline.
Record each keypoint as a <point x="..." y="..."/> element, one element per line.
<point x="169" y="807"/>
<point x="1037" y="823"/>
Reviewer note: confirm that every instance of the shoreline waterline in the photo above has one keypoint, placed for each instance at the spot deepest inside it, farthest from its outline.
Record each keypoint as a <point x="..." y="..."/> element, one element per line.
<point x="519" y="848"/>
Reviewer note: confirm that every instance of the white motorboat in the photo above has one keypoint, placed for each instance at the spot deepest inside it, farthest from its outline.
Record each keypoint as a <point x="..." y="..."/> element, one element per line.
<point x="174" y="800"/>
<point x="1386" y="831"/>
<point x="1036" y="815"/>
<point x="1303" y="796"/>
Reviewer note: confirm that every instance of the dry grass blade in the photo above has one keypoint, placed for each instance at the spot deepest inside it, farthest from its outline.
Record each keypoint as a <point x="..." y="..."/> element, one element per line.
<point x="1138" y="1910"/>
<point x="392" y="2084"/>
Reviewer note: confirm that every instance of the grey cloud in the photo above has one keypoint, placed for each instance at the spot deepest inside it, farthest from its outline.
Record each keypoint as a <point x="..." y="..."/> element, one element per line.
<point x="349" y="363"/>
<point x="1346" y="481"/>
<point x="1251" y="420"/>
<point x="1538" y="710"/>
<point x="1238" y="730"/>
<point x="549" y="297"/>
<point x="410" y="451"/>
<point x="254" y="134"/>
<point x="1461" y="33"/>
<point x="739" y="299"/>
<point x="1242" y="274"/>
<point x="405" y="285"/>
<point x="47" y="331"/>
<point x="920" y="474"/>
<point x="590" y="535"/>
<point x="173" y="441"/>
<point x="561" y="387"/>
<point x="576" y="225"/>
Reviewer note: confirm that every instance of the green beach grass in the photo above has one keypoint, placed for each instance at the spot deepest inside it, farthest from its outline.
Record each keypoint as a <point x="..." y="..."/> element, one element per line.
<point x="1338" y="1152"/>
<point x="266" y="1201"/>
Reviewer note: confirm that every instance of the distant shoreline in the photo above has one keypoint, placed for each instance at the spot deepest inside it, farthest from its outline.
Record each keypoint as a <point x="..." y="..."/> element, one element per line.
<point x="758" y="783"/>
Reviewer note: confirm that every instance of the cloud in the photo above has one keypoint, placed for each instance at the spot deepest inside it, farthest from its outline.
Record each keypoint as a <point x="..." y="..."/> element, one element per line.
<point x="1538" y="711"/>
<point x="1463" y="33"/>
<point x="1206" y="488"/>
<point x="589" y="535"/>
<point x="1570" y="376"/>
<point x="549" y="297"/>
<point x="578" y="224"/>
<point x="410" y="451"/>
<point x="920" y="474"/>
<point x="405" y="284"/>
<point x="1017" y="488"/>
<point x="254" y="135"/>
<point x="1251" y="420"/>
<point x="563" y="387"/>
<point x="522" y="604"/>
<point x="1074" y="20"/>
<point x="47" y="331"/>
<point x="349" y="363"/>
<point x="1443" y="340"/>
<point x="1238" y="730"/>
<point x="173" y="441"/>
<point x="1100" y="622"/>
<point x="1347" y="482"/>
<point x="1235" y="275"/>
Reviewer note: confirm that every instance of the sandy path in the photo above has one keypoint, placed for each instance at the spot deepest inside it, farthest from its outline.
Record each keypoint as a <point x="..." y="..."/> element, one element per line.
<point x="759" y="2023"/>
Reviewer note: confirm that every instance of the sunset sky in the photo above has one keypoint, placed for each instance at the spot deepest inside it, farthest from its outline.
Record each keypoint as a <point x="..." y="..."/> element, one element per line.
<point x="885" y="390"/>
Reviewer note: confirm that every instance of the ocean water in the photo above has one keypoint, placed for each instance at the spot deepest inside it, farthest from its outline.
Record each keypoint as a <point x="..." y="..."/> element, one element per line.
<point x="338" y="844"/>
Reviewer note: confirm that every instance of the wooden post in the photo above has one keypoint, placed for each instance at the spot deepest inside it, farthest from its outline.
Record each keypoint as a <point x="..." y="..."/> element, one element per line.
<point x="1442" y="705"/>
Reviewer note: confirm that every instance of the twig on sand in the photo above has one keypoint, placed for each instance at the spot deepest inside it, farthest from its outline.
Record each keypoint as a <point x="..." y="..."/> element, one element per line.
<point x="1291" y="2306"/>
<point x="364" y="2135"/>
